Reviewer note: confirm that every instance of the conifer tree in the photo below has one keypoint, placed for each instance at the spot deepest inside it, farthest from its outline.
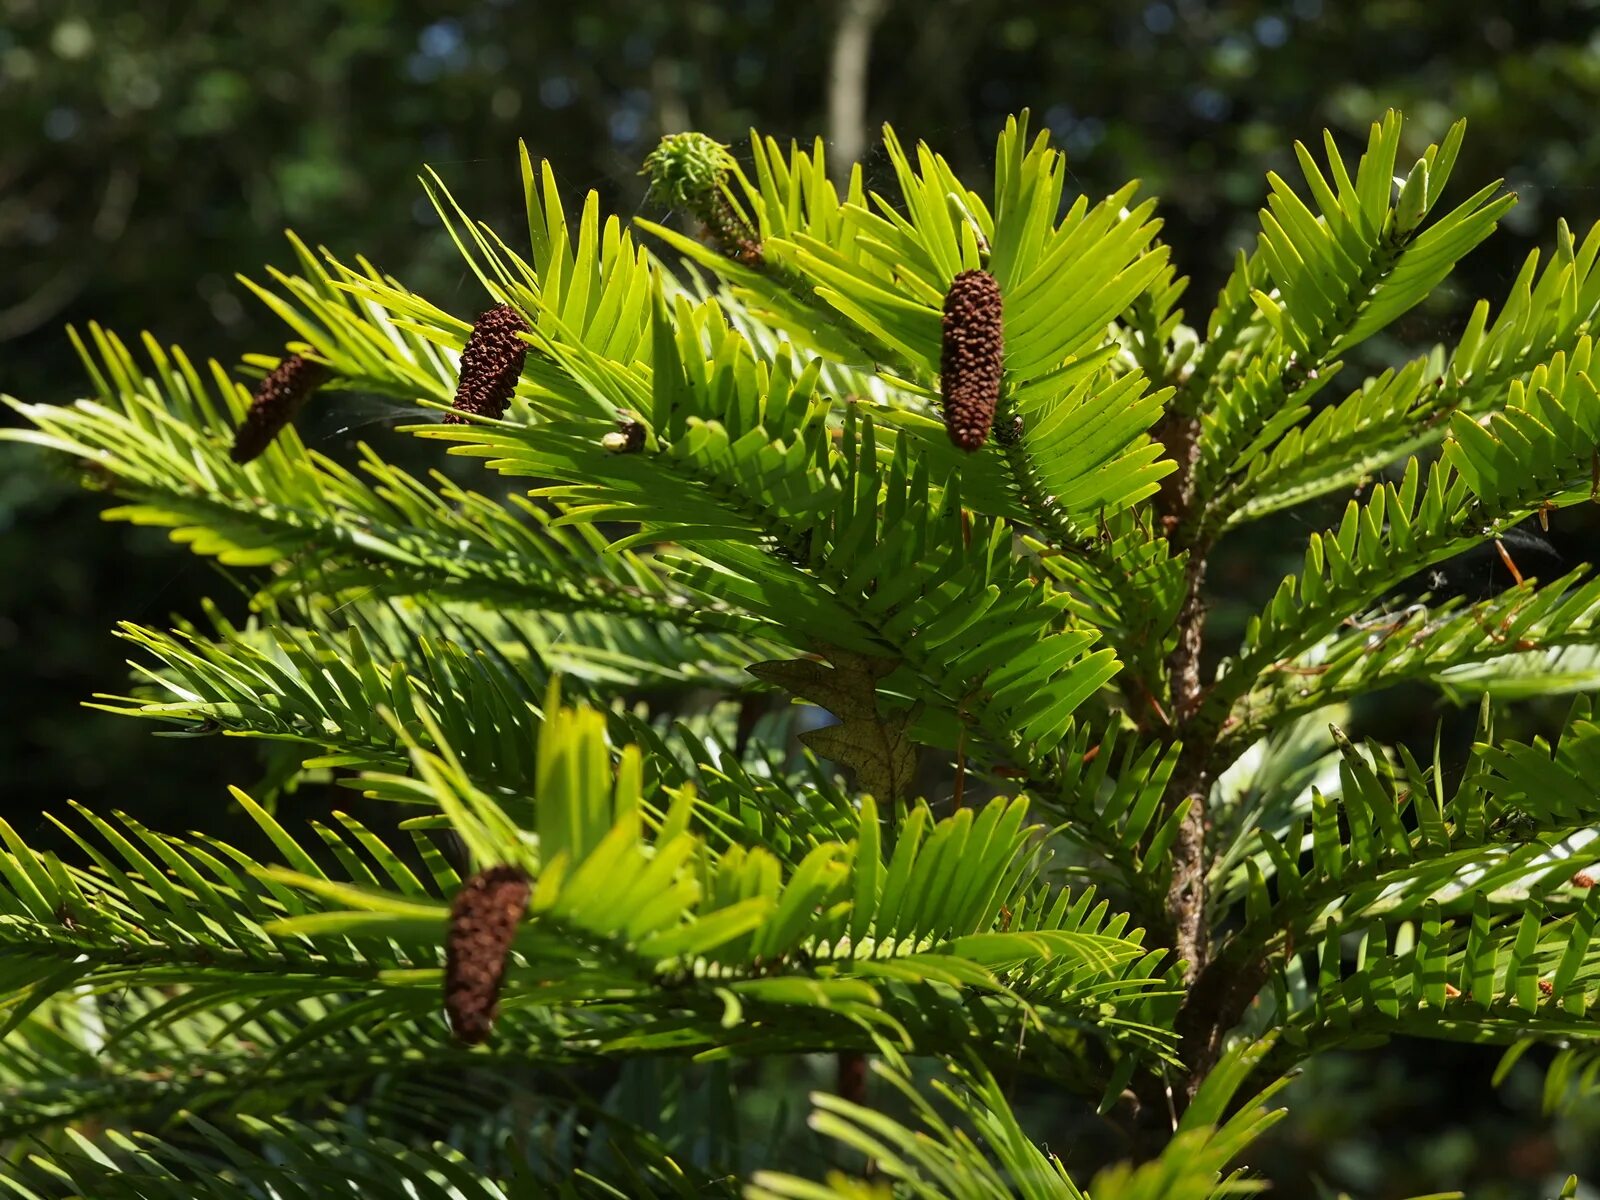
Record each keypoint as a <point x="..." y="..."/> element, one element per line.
<point x="948" y="467"/>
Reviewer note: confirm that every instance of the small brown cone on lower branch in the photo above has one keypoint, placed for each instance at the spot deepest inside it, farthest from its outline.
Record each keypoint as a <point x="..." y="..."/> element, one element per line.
<point x="483" y="921"/>
<point x="278" y="400"/>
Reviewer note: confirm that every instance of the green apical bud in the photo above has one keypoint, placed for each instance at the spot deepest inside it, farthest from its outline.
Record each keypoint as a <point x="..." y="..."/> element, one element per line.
<point x="1413" y="203"/>
<point x="686" y="170"/>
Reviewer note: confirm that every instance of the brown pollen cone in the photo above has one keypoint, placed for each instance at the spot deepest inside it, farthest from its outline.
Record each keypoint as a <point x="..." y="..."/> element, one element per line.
<point x="491" y="364"/>
<point x="972" y="360"/>
<point x="483" y="921"/>
<point x="278" y="400"/>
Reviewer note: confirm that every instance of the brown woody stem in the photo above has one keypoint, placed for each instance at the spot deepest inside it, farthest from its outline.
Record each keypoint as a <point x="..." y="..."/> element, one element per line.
<point x="1201" y="1016"/>
<point x="852" y="1084"/>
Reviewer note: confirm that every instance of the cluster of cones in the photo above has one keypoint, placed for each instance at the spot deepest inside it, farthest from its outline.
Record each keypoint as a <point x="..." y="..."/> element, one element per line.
<point x="491" y="364"/>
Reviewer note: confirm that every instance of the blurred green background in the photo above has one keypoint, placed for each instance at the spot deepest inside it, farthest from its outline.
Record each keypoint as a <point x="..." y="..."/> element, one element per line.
<point x="148" y="151"/>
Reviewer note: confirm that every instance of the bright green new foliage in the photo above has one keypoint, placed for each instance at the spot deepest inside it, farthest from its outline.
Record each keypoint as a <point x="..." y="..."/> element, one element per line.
<point x="1036" y="842"/>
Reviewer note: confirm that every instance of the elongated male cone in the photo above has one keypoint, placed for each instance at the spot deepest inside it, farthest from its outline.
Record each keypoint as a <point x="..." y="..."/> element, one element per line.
<point x="483" y="921"/>
<point x="491" y="364"/>
<point x="972" y="360"/>
<point x="278" y="400"/>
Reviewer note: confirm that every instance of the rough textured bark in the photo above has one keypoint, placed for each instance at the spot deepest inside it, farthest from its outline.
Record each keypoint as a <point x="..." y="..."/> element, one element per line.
<point x="1191" y="781"/>
<point x="1217" y="1001"/>
<point x="1186" y="895"/>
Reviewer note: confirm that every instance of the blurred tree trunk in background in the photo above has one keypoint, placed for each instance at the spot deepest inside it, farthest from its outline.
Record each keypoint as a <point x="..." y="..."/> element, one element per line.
<point x="847" y="82"/>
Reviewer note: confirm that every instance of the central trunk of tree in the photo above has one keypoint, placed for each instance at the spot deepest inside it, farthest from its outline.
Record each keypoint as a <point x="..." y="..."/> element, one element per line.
<point x="1186" y="900"/>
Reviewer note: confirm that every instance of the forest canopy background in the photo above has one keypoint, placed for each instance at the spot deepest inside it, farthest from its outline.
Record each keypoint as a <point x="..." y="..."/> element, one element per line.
<point x="151" y="150"/>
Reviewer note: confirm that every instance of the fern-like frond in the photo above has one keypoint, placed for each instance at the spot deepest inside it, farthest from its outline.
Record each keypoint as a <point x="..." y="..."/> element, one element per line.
<point x="1433" y="643"/>
<point x="161" y="440"/>
<point x="728" y="449"/>
<point x="329" y="690"/>
<point x="588" y="280"/>
<point x="1332" y="275"/>
<point x="118" y="1057"/>
<point x="1391" y="843"/>
<point x="1063" y="281"/>
<point x="1545" y="313"/>
<point x="884" y="273"/>
<point x="850" y="919"/>
<point x="319" y="678"/>
<point x="479" y="678"/>
<point x="1477" y="979"/>
<point x="284" y="1157"/>
<point x="844" y="550"/>
<point x="406" y="350"/>
<point x="1342" y="445"/>
<point x="986" y="1155"/>
<point x="1449" y="891"/>
<point x="1538" y="452"/>
<point x="693" y="949"/>
<point x="1402" y="411"/>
